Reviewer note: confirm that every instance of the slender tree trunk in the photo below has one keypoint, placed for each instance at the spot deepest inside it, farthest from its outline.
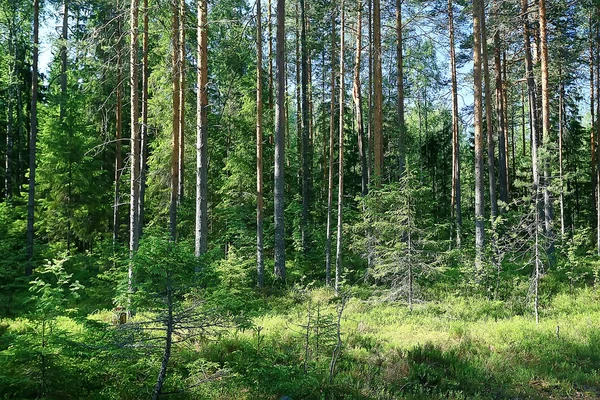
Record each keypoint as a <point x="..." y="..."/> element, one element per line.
<point x="489" y="123"/>
<point x="306" y="160"/>
<point x="63" y="113"/>
<point x="478" y="124"/>
<point x="546" y="127"/>
<point x="135" y="138"/>
<point x="280" y="122"/>
<point x="181" y="124"/>
<point x="532" y="97"/>
<point x="144" y="125"/>
<point x="201" y="232"/>
<point x="9" y="156"/>
<point x="338" y="258"/>
<point x="560" y="155"/>
<point x="501" y="123"/>
<point x="378" y="93"/>
<point x="357" y="97"/>
<point x="260" y="264"/>
<point x="400" y="85"/>
<point x="176" y="109"/>
<point x="370" y="94"/>
<point x="456" y="198"/>
<point x="592" y="112"/>
<point x="118" y="145"/>
<point x="33" y="139"/>
<point x="331" y="154"/>
<point x="270" y="32"/>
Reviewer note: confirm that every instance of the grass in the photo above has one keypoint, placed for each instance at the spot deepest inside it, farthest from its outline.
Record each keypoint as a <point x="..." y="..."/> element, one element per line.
<point x="459" y="347"/>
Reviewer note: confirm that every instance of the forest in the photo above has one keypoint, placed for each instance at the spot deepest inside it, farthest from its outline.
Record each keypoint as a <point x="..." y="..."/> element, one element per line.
<point x="301" y="199"/>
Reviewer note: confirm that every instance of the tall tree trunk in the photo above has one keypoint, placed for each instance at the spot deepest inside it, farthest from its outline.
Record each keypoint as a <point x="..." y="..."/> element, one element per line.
<point x="280" y="122"/>
<point x="270" y="40"/>
<point x="9" y="156"/>
<point x="532" y="97"/>
<point x="135" y="137"/>
<point x="331" y="154"/>
<point x="144" y="125"/>
<point x="306" y="156"/>
<point x="561" y="118"/>
<point x="489" y="123"/>
<point x="118" y="144"/>
<point x="174" y="201"/>
<point x="378" y="93"/>
<point x="338" y="258"/>
<point x="400" y="85"/>
<point x="502" y="169"/>
<point x="357" y="97"/>
<point x="370" y="92"/>
<point x="478" y="124"/>
<point x="456" y="198"/>
<point x="201" y="232"/>
<point x="546" y="126"/>
<point x="32" y="139"/>
<point x="63" y="113"/>
<point x="181" y="124"/>
<point x="592" y="112"/>
<point x="260" y="264"/>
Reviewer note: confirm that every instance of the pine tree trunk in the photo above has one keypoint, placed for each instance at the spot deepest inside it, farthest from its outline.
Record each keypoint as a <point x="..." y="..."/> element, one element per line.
<point x="456" y="198"/>
<point x="144" y="125"/>
<point x="331" y="154"/>
<point x="478" y="124"/>
<point x="201" y="230"/>
<point x="135" y="139"/>
<point x="33" y="139"/>
<point x="488" y="117"/>
<point x="118" y="144"/>
<point x="357" y="97"/>
<point x="280" y="123"/>
<point x="174" y="201"/>
<point x="270" y="40"/>
<point x="400" y="85"/>
<point x="560" y="155"/>
<point x="378" y="93"/>
<point x="306" y="161"/>
<point x="532" y="97"/>
<point x="502" y="170"/>
<point x="546" y="127"/>
<point x="338" y="258"/>
<point x="63" y="113"/>
<point x="260" y="264"/>
<point x="181" y="124"/>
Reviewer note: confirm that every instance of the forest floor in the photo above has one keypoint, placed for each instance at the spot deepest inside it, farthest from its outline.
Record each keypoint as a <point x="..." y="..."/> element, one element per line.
<point x="458" y="347"/>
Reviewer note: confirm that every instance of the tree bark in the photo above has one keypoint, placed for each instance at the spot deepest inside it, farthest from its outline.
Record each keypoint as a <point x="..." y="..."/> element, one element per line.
<point x="33" y="139"/>
<point x="260" y="264"/>
<point x="135" y="138"/>
<point x="331" y="154"/>
<point x="144" y="125"/>
<point x="201" y="232"/>
<point x="280" y="122"/>
<point x="546" y="127"/>
<point x="400" y="85"/>
<point x="162" y="372"/>
<point x="456" y="198"/>
<point x="306" y="156"/>
<point x="502" y="170"/>
<point x="338" y="258"/>
<point x="118" y="136"/>
<point x="478" y="124"/>
<point x="489" y="123"/>
<point x="561" y="117"/>
<point x="357" y="97"/>
<point x="176" y="109"/>
<point x="181" y="124"/>
<point x="378" y="93"/>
